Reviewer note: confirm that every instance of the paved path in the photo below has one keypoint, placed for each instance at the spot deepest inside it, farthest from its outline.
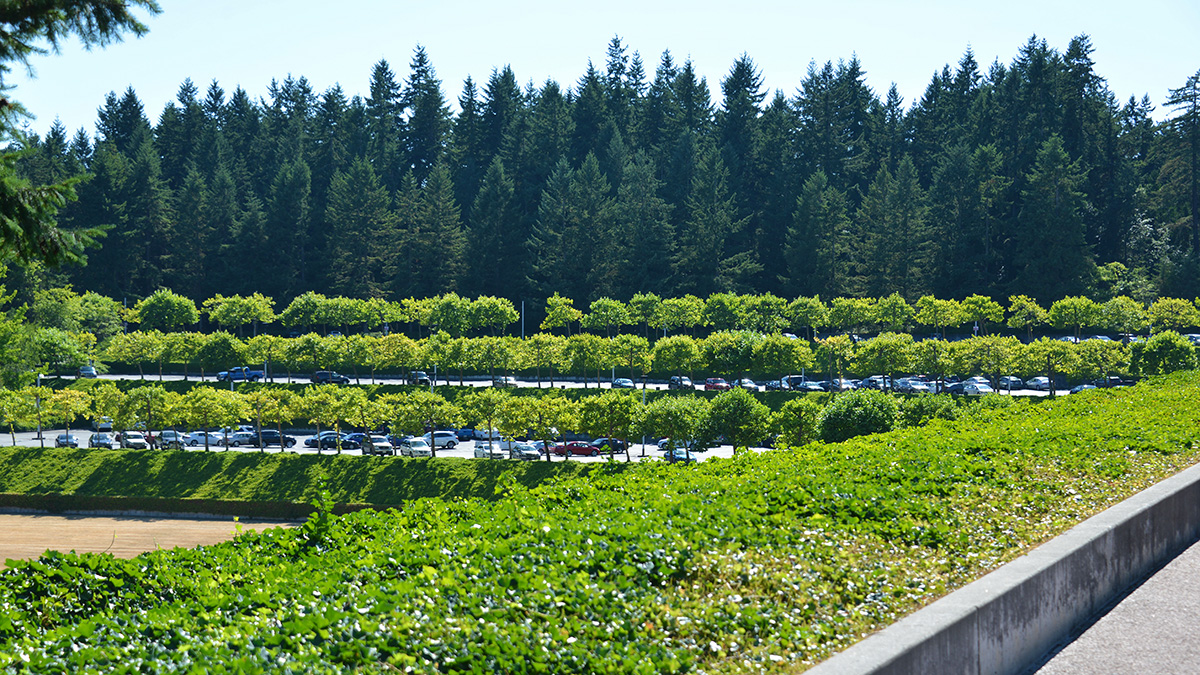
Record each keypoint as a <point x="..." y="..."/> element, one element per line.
<point x="1156" y="629"/>
<point x="28" y="536"/>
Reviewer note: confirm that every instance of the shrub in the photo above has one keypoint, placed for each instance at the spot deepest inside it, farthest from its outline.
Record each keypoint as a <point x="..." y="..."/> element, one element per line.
<point x="857" y="413"/>
<point x="1166" y="352"/>
<point x="919" y="410"/>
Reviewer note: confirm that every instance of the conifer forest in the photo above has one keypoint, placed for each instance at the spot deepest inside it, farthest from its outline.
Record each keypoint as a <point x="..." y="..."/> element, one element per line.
<point x="1030" y="178"/>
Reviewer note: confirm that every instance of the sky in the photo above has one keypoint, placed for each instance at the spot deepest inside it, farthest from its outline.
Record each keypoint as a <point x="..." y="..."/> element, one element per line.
<point x="1143" y="48"/>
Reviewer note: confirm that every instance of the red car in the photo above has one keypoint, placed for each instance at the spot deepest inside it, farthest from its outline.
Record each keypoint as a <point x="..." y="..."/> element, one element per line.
<point x="716" y="384"/>
<point x="575" y="448"/>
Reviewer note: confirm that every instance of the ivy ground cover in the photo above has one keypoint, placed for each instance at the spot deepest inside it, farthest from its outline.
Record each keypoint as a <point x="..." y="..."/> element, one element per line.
<point x="761" y="563"/>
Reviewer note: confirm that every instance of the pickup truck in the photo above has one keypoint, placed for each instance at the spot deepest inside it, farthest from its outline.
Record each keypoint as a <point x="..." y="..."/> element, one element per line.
<point x="239" y="374"/>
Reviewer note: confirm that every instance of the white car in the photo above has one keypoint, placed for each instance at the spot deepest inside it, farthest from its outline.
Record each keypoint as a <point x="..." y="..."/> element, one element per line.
<point x="1040" y="383"/>
<point x="134" y="439"/>
<point x="482" y="451"/>
<point x="977" y="389"/>
<point x="197" y="438"/>
<point x="442" y="439"/>
<point x="415" y="447"/>
<point x="525" y="451"/>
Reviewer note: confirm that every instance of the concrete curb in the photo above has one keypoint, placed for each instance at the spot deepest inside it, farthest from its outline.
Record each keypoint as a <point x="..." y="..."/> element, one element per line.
<point x="1007" y="621"/>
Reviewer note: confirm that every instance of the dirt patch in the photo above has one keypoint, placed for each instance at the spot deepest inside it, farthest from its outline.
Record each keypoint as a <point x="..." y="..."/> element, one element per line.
<point x="28" y="536"/>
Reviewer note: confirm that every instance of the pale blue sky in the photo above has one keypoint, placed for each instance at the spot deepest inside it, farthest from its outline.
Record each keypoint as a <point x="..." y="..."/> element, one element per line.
<point x="1142" y="48"/>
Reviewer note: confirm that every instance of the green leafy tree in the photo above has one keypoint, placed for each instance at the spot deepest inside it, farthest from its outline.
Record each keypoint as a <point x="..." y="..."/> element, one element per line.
<point x="1165" y="352"/>
<point x="887" y="353"/>
<point x="766" y="313"/>
<point x="1124" y="315"/>
<point x="796" y="422"/>
<point x="982" y="310"/>
<point x="933" y="357"/>
<point x="1049" y="357"/>
<point x="545" y="351"/>
<point x="611" y="415"/>
<point x="740" y="417"/>
<point x="207" y="407"/>
<point x="139" y="347"/>
<point x="893" y="312"/>
<point x="1024" y="312"/>
<point x="810" y="313"/>
<point x="418" y="410"/>
<point x="238" y="311"/>
<point x="606" y="314"/>
<point x="220" y="351"/>
<point x="560" y="313"/>
<point x="850" y="314"/>
<point x="642" y="309"/>
<point x="729" y="353"/>
<point x="165" y="310"/>
<point x="1075" y="312"/>
<point x="68" y="405"/>
<point x="678" y="418"/>
<point x="632" y="351"/>
<point x="779" y="354"/>
<point x="492" y="313"/>
<point x="939" y="314"/>
<point x="677" y="354"/>
<point x="584" y="353"/>
<point x="1172" y="314"/>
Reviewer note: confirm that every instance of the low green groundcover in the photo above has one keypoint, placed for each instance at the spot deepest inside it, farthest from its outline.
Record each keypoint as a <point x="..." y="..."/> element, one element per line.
<point x="765" y="562"/>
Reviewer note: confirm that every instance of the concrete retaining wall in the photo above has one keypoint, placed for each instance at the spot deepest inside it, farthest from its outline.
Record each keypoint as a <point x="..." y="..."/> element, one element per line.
<point x="1008" y="620"/>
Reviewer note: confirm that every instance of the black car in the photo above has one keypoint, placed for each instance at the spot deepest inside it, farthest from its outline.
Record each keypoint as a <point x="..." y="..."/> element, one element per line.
<point x="329" y="377"/>
<point x="271" y="437"/>
<point x="775" y="385"/>
<point x="603" y="444"/>
<point x="419" y="378"/>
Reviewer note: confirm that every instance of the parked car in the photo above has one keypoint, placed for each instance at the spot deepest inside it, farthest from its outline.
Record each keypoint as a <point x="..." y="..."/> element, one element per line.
<point x="442" y="439"/>
<point x="379" y="445"/>
<point x="716" y="384"/>
<point x="329" y="377"/>
<point x="484" y="434"/>
<point x="504" y="381"/>
<point x="239" y="438"/>
<point x="810" y="387"/>
<point x="1039" y="383"/>
<point x="1011" y="382"/>
<point x="976" y="389"/>
<point x="171" y="439"/>
<point x="1082" y="387"/>
<point x="575" y="448"/>
<point x="875" y="382"/>
<point x="954" y="388"/>
<point x="690" y="444"/>
<point x="680" y="455"/>
<point x="525" y="451"/>
<point x="978" y="379"/>
<point x="465" y="433"/>
<point x="775" y="385"/>
<point x="66" y="441"/>
<point x="271" y="437"/>
<point x="415" y="447"/>
<point x="100" y="440"/>
<point x="134" y="440"/>
<point x="482" y="451"/>
<point x="331" y="439"/>
<point x="794" y="381"/>
<point x="1111" y="381"/>
<point x="747" y="384"/>
<point x="603" y="444"/>
<point x="86" y="371"/>
<point x="239" y="374"/>
<point x="623" y="383"/>
<point x="680" y="382"/>
<point x="419" y="378"/>
<point x="198" y="438"/>
<point x="102" y="424"/>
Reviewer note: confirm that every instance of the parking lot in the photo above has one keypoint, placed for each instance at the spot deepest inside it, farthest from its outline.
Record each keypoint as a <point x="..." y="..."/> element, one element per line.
<point x="464" y="449"/>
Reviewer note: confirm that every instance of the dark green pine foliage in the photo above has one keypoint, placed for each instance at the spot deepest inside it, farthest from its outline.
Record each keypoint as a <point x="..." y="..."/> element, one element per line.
<point x="428" y="117"/>
<point x="193" y="248"/>
<point x="819" y="242"/>
<point x="361" y="227"/>
<point x="1186" y="126"/>
<point x="737" y="128"/>
<point x="660" y="111"/>
<point x="700" y="265"/>
<point x="502" y="101"/>
<point x="330" y="154"/>
<point x="642" y="235"/>
<point x="495" y="246"/>
<point x="547" y="266"/>
<point x="122" y="122"/>
<point x="223" y="254"/>
<point x="142" y="245"/>
<point x="774" y="190"/>
<point x="590" y="116"/>
<point x="102" y="202"/>
<point x="287" y="257"/>
<point x="1050" y="228"/>
<point x="466" y="151"/>
<point x="435" y="242"/>
<point x="384" y="109"/>
<point x="179" y="134"/>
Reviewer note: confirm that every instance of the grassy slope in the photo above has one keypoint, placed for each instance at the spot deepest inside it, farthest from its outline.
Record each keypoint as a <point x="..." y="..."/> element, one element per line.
<point x="273" y="476"/>
<point x="760" y="563"/>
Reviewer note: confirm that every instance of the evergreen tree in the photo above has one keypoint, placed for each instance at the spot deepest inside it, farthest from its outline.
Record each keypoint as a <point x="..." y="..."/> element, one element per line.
<point x="435" y="241"/>
<point x="428" y="116"/>
<point x="700" y="242"/>
<point x="494" y="240"/>
<point x="384" y="108"/>
<point x="1050" y="229"/>
<point x="818" y="242"/>
<point x="285" y="262"/>
<point x="642" y="235"/>
<point x="361" y="224"/>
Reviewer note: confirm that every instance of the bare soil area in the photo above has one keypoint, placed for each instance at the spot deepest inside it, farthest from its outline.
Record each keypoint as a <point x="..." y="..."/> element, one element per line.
<point x="26" y="536"/>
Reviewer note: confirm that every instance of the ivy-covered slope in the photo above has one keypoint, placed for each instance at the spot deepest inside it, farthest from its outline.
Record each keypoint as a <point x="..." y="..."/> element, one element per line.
<point x="766" y="562"/>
